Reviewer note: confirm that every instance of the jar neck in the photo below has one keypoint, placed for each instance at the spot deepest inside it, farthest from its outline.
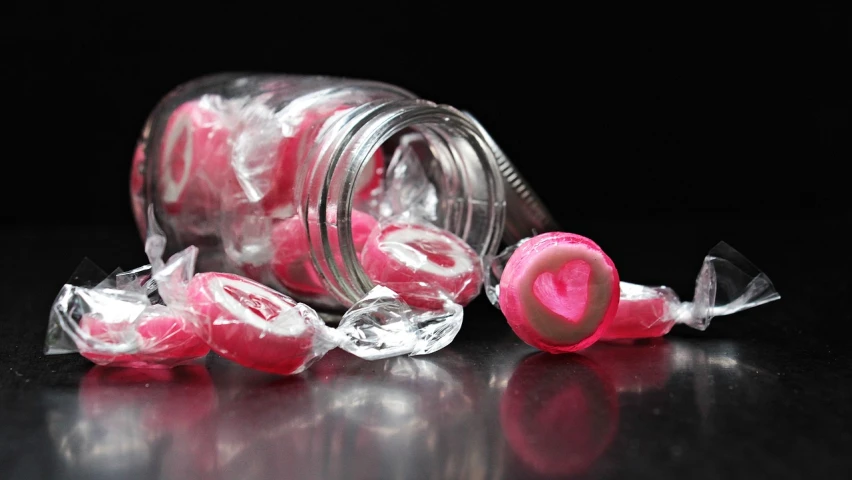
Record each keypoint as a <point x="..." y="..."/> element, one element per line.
<point x="471" y="201"/>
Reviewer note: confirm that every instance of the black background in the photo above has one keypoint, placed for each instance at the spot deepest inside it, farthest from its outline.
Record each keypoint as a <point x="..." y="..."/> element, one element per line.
<point x="656" y="131"/>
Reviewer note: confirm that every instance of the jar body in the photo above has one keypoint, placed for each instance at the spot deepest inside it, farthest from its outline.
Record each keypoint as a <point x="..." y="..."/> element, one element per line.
<point x="279" y="178"/>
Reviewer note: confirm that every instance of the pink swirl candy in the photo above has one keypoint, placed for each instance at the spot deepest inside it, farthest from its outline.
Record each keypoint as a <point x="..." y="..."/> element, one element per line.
<point x="194" y="160"/>
<point x="162" y="338"/>
<point x="423" y="264"/>
<point x="559" y="291"/>
<point x="291" y="262"/>
<point x="252" y="324"/>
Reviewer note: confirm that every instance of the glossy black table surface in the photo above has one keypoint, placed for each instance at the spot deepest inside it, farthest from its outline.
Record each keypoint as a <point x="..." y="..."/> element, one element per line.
<point x="752" y="397"/>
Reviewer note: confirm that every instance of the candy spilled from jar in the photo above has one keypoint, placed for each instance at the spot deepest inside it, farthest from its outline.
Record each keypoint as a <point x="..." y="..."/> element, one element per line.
<point x="558" y="291"/>
<point x="164" y="314"/>
<point x="727" y="283"/>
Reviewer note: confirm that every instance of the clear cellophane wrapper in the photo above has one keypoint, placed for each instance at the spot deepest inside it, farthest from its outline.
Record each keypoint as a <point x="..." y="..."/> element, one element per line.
<point x="164" y="314"/>
<point x="727" y="283"/>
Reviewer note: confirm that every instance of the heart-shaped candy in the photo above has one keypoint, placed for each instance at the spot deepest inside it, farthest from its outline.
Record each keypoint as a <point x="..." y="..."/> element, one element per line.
<point x="567" y="292"/>
<point x="559" y="292"/>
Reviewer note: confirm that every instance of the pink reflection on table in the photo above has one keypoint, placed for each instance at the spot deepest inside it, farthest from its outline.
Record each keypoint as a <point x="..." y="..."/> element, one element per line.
<point x="634" y="365"/>
<point x="559" y="413"/>
<point x="162" y="400"/>
<point x="128" y="417"/>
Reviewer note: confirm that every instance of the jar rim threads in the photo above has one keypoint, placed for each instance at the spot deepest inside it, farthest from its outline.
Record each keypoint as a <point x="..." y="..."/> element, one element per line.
<point x="344" y="150"/>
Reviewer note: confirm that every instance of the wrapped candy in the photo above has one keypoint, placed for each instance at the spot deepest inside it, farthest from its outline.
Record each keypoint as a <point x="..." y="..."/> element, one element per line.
<point x="120" y="326"/>
<point x="269" y="147"/>
<point x="195" y="155"/>
<point x="158" y="336"/>
<point x="291" y="261"/>
<point x="260" y="328"/>
<point x="163" y="314"/>
<point x="726" y="284"/>
<point x="279" y="177"/>
<point x="558" y="291"/>
<point x="422" y="263"/>
<point x="240" y="319"/>
<point x="313" y="122"/>
<point x="123" y="319"/>
<point x="256" y="326"/>
<point x="408" y="191"/>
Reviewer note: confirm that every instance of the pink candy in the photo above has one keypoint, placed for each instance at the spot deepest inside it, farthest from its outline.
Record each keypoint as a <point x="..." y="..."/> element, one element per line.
<point x="251" y="324"/>
<point x="162" y="339"/>
<point x="137" y="187"/>
<point x="195" y="159"/>
<point x="559" y="414"/>
<point x="559" y="292"/>
<point x="159" y="400"/>
<point x="422" y="263"/>
<point x="642" y="313"/>
<point x="291" y="155"/>
<point x="292" y="262"/>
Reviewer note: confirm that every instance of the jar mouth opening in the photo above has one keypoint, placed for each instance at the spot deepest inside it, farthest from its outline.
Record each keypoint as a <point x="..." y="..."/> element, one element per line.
<point x="381" y="148"/>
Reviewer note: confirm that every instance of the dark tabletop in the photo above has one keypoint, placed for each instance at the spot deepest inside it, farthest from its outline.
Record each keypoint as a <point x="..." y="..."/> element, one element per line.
<point x="764" y="394"/>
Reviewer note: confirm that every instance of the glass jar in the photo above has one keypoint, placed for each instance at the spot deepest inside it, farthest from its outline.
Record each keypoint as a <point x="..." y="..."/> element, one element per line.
<point x="250" y="168"/>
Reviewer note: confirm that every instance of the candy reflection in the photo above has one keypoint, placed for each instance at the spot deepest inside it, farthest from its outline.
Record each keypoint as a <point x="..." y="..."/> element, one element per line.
<point x="402" y="394"/>
<point x="353" y="419"/>
<point x="559" y="413"/>
<point x="266" y="430"/>
<point x="635" y="365"/>
<point x="473" y="413"/>
<point x="127" y="418"/>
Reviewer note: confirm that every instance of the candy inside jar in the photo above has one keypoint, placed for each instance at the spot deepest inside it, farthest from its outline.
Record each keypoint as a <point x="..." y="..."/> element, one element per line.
<point x="287" y="179"/>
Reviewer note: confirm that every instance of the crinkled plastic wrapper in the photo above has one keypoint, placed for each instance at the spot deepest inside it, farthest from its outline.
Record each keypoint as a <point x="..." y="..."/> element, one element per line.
<point x="256" y="326"/>
<point x="726" y="284"/>
<point x="381" y="326"/>
<point x="128" y="319"/>
<point x="425" y="265"/>
<point x="260" y="328"/>
<point x="558" y="291"/>
<point x="226" y="175"/>
<point x="229" y="174"/>
<point x="115" y="322"/>
<point x="164" y="314"/>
